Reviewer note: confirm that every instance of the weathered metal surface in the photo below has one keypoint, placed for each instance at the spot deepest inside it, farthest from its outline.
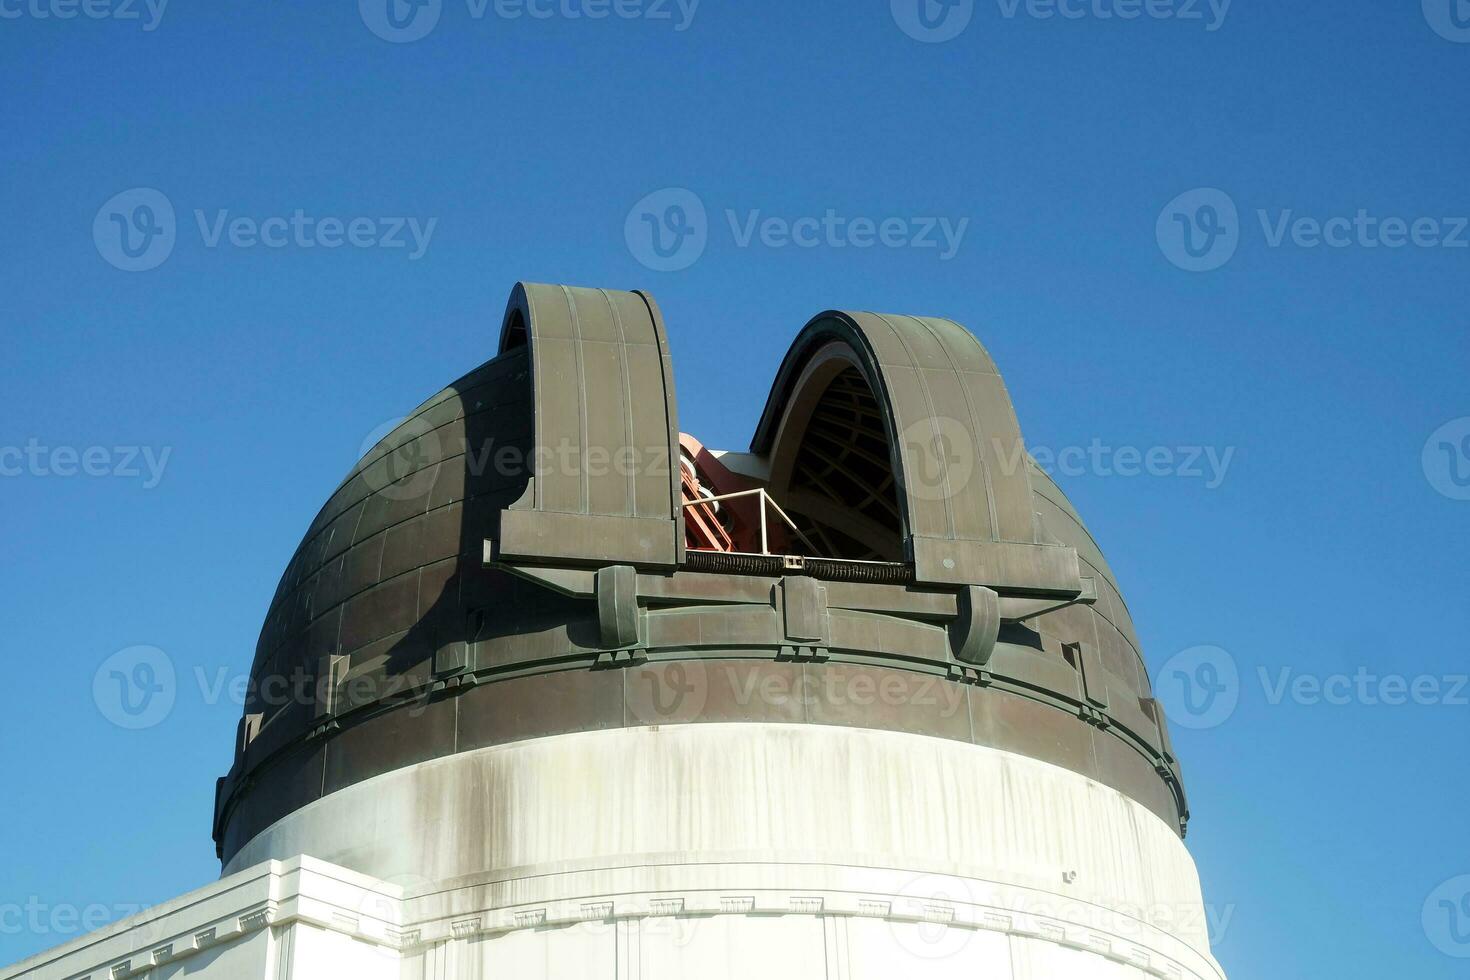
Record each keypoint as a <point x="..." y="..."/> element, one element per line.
<point x="963" y="491"/>
<point x="605" y="482"/>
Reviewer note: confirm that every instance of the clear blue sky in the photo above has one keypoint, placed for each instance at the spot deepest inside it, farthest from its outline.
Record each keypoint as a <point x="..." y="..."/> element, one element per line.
<point x="1335" y="541"/>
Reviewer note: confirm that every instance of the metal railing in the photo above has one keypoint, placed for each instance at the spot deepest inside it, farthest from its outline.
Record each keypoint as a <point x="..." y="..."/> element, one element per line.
<point x="766" y="502"/>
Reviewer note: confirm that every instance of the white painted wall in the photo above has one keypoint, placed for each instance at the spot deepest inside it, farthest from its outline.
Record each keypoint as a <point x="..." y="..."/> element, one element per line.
<point x="711" y="851"/>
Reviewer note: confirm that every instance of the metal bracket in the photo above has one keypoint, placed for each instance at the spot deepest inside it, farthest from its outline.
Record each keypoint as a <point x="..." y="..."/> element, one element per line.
<point x="970" y="675"/>
<point x="613" y="659"/>
<point x="1094" y="686"/>
<point x="248" y="729"/>
<point x="803" y="604"/>
<point x="330" y="672"/>
<point x="452" y="682"/>
<point x="1018" y="609"/>
<point x="803" y="654"/>
<point x="617" y="606"/>
<point x="973" y="634"/>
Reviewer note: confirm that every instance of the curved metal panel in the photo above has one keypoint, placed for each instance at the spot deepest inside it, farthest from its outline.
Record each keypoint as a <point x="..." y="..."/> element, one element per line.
<point x="964" y="494"/>
<point x="604" y="486"/>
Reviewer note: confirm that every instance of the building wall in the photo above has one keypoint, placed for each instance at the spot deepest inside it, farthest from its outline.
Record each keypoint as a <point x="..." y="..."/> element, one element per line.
<point x="279" y="919"/>
<point x="779" y="852"/>
<point x="711" y="819"/>
<point x="306" y="920"/>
